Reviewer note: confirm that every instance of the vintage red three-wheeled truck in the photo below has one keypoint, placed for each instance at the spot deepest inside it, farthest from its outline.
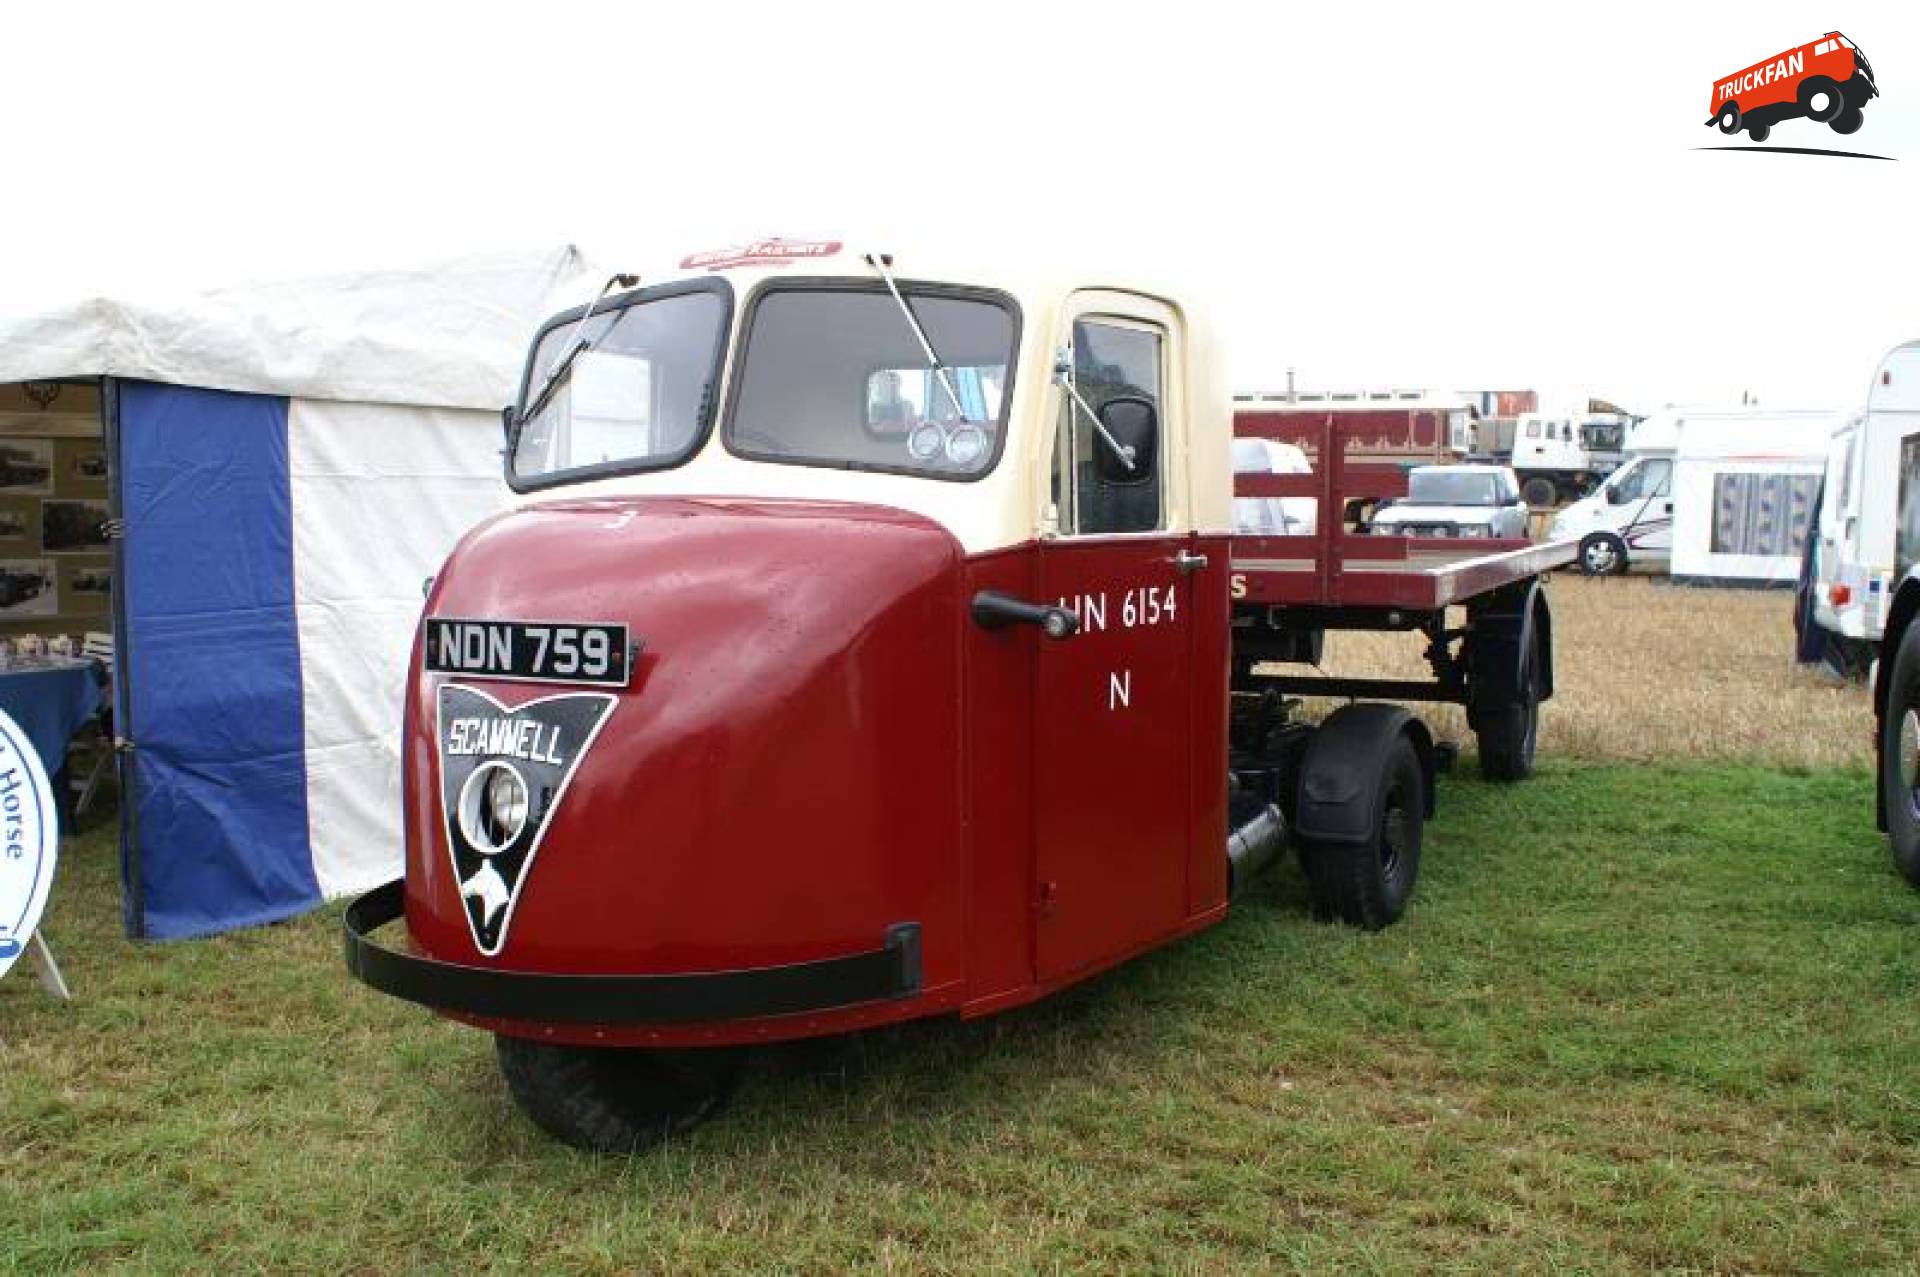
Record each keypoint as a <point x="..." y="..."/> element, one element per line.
<point x="872" y="642"/>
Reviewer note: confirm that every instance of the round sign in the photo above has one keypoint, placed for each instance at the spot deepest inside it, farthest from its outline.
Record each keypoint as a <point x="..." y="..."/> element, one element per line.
<point x="29" y="840"/>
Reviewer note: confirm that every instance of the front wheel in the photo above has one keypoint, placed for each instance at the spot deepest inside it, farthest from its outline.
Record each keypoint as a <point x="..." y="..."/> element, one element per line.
<point x="1821" y="99"/>
<point x="1603" y="554"/>
<point x="1759" y="132"/>
<point x="1367" y="883"/>
<point x="615" y="1099"/>
<point x="1539" y="493"/>
<point x="1900" y="756"/>
<point x="1848" y="121"/>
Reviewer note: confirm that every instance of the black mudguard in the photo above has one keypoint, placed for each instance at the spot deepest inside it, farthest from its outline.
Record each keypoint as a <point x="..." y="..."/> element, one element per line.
<point x="1345" y="764"/>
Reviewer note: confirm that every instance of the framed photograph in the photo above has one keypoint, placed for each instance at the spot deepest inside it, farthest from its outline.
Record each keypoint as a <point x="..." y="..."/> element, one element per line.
<point x="90" y="467"/>
<point x="27" y="588"/>
<point x="13" y="524"/>
<point x="88" y="582"/>
<point x="26" y="465"/>
<point x="74" y="527"/>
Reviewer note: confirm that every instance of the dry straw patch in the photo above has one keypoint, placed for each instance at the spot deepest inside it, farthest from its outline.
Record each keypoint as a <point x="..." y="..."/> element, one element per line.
<point x="1648" y="670"/>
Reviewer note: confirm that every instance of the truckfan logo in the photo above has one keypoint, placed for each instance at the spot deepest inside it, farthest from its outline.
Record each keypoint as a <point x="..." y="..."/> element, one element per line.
<point x="502" y="773"/>
<point x="1828" y="81"/>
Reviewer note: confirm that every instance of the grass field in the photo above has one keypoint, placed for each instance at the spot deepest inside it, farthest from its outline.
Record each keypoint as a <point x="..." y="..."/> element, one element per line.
<point x="1638" y="1017"/>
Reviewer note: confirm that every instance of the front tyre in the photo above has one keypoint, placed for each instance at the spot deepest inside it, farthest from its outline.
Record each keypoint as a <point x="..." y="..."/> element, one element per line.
<point x="615" y="1099"/>
<point x="1900" y="756"/>
<point x="1367" y="883"/>
<point x="1848" y="121"/>
<point x="1540" y="493"/>
<point x="1603" y="554"/>
<point x="1821" y="99"/>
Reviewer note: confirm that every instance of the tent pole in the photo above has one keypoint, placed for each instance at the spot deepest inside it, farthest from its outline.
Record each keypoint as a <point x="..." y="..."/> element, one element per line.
<point x="132" y="881"/>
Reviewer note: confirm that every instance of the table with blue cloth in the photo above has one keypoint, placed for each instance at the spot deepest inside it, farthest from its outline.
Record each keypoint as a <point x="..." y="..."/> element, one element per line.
<point x="51" y="698"/>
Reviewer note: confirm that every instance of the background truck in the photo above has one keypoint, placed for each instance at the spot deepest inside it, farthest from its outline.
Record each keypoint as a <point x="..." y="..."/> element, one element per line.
<point x="1893" y="408"/>
<point x="1561" y="459"/>
<point x="1826" y="80"/>
<point x="761" y="720"/>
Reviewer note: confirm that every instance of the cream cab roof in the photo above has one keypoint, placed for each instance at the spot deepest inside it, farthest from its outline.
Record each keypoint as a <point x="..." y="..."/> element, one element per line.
<point x="1009" y="504"/>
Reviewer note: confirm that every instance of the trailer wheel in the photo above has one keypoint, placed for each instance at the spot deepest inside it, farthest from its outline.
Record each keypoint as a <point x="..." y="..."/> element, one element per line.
<point x="1509" y="734"/>
<point x="1539" y="493"/>
<point x="1367" y="883"/>
<point x="1848" y="121"/>
<point x="615" y="1099"/>
<point x="1830" y="102"/>
<point x="1603" y="554"/>
<point x="1900" y="756"/>
<point x="1759" y="132"/>
<point x="1730" y="118"/>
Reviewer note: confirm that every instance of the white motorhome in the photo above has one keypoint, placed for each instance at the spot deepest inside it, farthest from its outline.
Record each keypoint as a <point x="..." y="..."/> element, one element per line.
<point x="1721" y="497"/>
<point x="1852" y="561"/>
<point x="1629" y="518"/>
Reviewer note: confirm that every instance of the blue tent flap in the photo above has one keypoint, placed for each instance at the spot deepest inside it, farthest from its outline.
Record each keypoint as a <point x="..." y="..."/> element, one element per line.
<point x="210" y="662"/>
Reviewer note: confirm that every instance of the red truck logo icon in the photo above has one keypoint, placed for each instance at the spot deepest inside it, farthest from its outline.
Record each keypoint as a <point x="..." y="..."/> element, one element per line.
<point x="1828" y="81"/>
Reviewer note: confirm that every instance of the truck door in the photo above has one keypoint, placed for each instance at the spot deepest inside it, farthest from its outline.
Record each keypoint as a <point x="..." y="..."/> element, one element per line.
<point x="1113" y="705"/>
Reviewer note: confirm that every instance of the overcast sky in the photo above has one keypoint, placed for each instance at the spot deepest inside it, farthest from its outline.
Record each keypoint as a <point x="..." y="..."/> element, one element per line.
<point x="1371" y="193"/>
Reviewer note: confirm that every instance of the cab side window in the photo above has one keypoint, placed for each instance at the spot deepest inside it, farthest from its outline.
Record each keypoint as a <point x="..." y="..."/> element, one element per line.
<point x="1117" y="372"/>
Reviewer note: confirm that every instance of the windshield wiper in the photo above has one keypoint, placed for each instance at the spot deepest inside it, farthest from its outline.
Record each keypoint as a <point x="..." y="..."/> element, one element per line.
<point x="581" y="345"/>
<point x="879" y="262"/>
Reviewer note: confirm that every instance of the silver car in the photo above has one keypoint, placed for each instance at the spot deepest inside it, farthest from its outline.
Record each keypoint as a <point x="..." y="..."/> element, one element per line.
<point x="1457" y="501"/>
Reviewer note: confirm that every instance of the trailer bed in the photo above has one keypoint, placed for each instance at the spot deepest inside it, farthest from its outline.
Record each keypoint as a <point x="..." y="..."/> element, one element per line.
<point x="1336" y="568"/>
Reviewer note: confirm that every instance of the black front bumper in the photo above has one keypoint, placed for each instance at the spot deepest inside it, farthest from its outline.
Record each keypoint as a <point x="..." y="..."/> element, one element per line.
<point x="891" y="971"/>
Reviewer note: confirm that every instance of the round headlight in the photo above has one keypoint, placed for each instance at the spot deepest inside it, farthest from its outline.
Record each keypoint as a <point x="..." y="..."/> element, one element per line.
<point x="965" y="446"/>
<point x="926" y="441"/>
<point x="493" y="808"/>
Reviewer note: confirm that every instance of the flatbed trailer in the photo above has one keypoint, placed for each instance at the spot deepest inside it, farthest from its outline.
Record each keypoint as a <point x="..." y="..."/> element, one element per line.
<point x="789" y="721"/>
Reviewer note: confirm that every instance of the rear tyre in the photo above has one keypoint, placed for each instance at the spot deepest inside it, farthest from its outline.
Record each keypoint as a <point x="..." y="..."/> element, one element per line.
<point x="1821" y="99"/>
<point x="1539" y="493"/>
<point x="1900" y="756"/>
<point x="1848" y="121"/>
<point x="1759" y="132"/>
<point x="1603" y="554"/>
<point x="1509" y="734"/>
<point x="1367" y="884"/>
<point x="1729" y="118"/>
<point x="615" y="1099"/>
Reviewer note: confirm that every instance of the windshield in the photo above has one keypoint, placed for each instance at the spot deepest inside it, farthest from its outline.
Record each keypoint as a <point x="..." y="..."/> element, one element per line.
<point x="836" y="376"/>
<point x="1452" y="487"/>
<point x="638" y="397"/>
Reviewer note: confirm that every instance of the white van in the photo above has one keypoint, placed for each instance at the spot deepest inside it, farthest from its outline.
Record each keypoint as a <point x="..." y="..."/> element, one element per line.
<point x="1272" y="516"/>
<point x="1852" y="562"/>
<point x="1629" y="518"/>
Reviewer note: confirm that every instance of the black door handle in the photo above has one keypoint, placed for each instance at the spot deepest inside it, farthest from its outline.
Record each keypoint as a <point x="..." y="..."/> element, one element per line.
<point x="993" y="610"/>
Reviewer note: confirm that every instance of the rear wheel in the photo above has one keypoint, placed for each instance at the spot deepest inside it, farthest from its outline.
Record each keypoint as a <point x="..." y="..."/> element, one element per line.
<point x="1729" y="118"/>
<point x="1900" y="756"/>
<point x="1508" y="732"/>
<point x="1759" y="132"/>
<point x="614" y="1099"/>
<point x="1367" y="883"/>
<point x="1820" y="98"/>
<point x="1603" y="554"/>
<point x="1848" y="121"/>
<point x="1539" y="493"/>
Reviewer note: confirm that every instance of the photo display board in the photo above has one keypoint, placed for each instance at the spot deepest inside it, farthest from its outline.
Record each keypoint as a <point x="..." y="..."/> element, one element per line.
<point x="56" y="562"/>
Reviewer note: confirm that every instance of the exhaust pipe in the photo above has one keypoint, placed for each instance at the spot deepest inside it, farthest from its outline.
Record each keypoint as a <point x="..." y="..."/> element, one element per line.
<point x="1254" y="846"/>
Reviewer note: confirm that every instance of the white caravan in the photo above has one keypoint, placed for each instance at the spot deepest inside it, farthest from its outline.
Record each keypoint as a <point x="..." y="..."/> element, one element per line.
<point x="1853" y="564"/>
<point x="1724" y="498"/>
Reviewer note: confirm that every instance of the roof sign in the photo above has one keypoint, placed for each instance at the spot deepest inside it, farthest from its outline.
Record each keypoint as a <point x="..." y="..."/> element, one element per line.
<point x="762" y="252"/>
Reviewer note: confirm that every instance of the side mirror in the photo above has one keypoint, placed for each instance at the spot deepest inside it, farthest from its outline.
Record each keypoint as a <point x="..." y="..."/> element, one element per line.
<point x="508" y="420"/>
<point x="1134" y="425"/>
<point x="1617" y="496"/>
